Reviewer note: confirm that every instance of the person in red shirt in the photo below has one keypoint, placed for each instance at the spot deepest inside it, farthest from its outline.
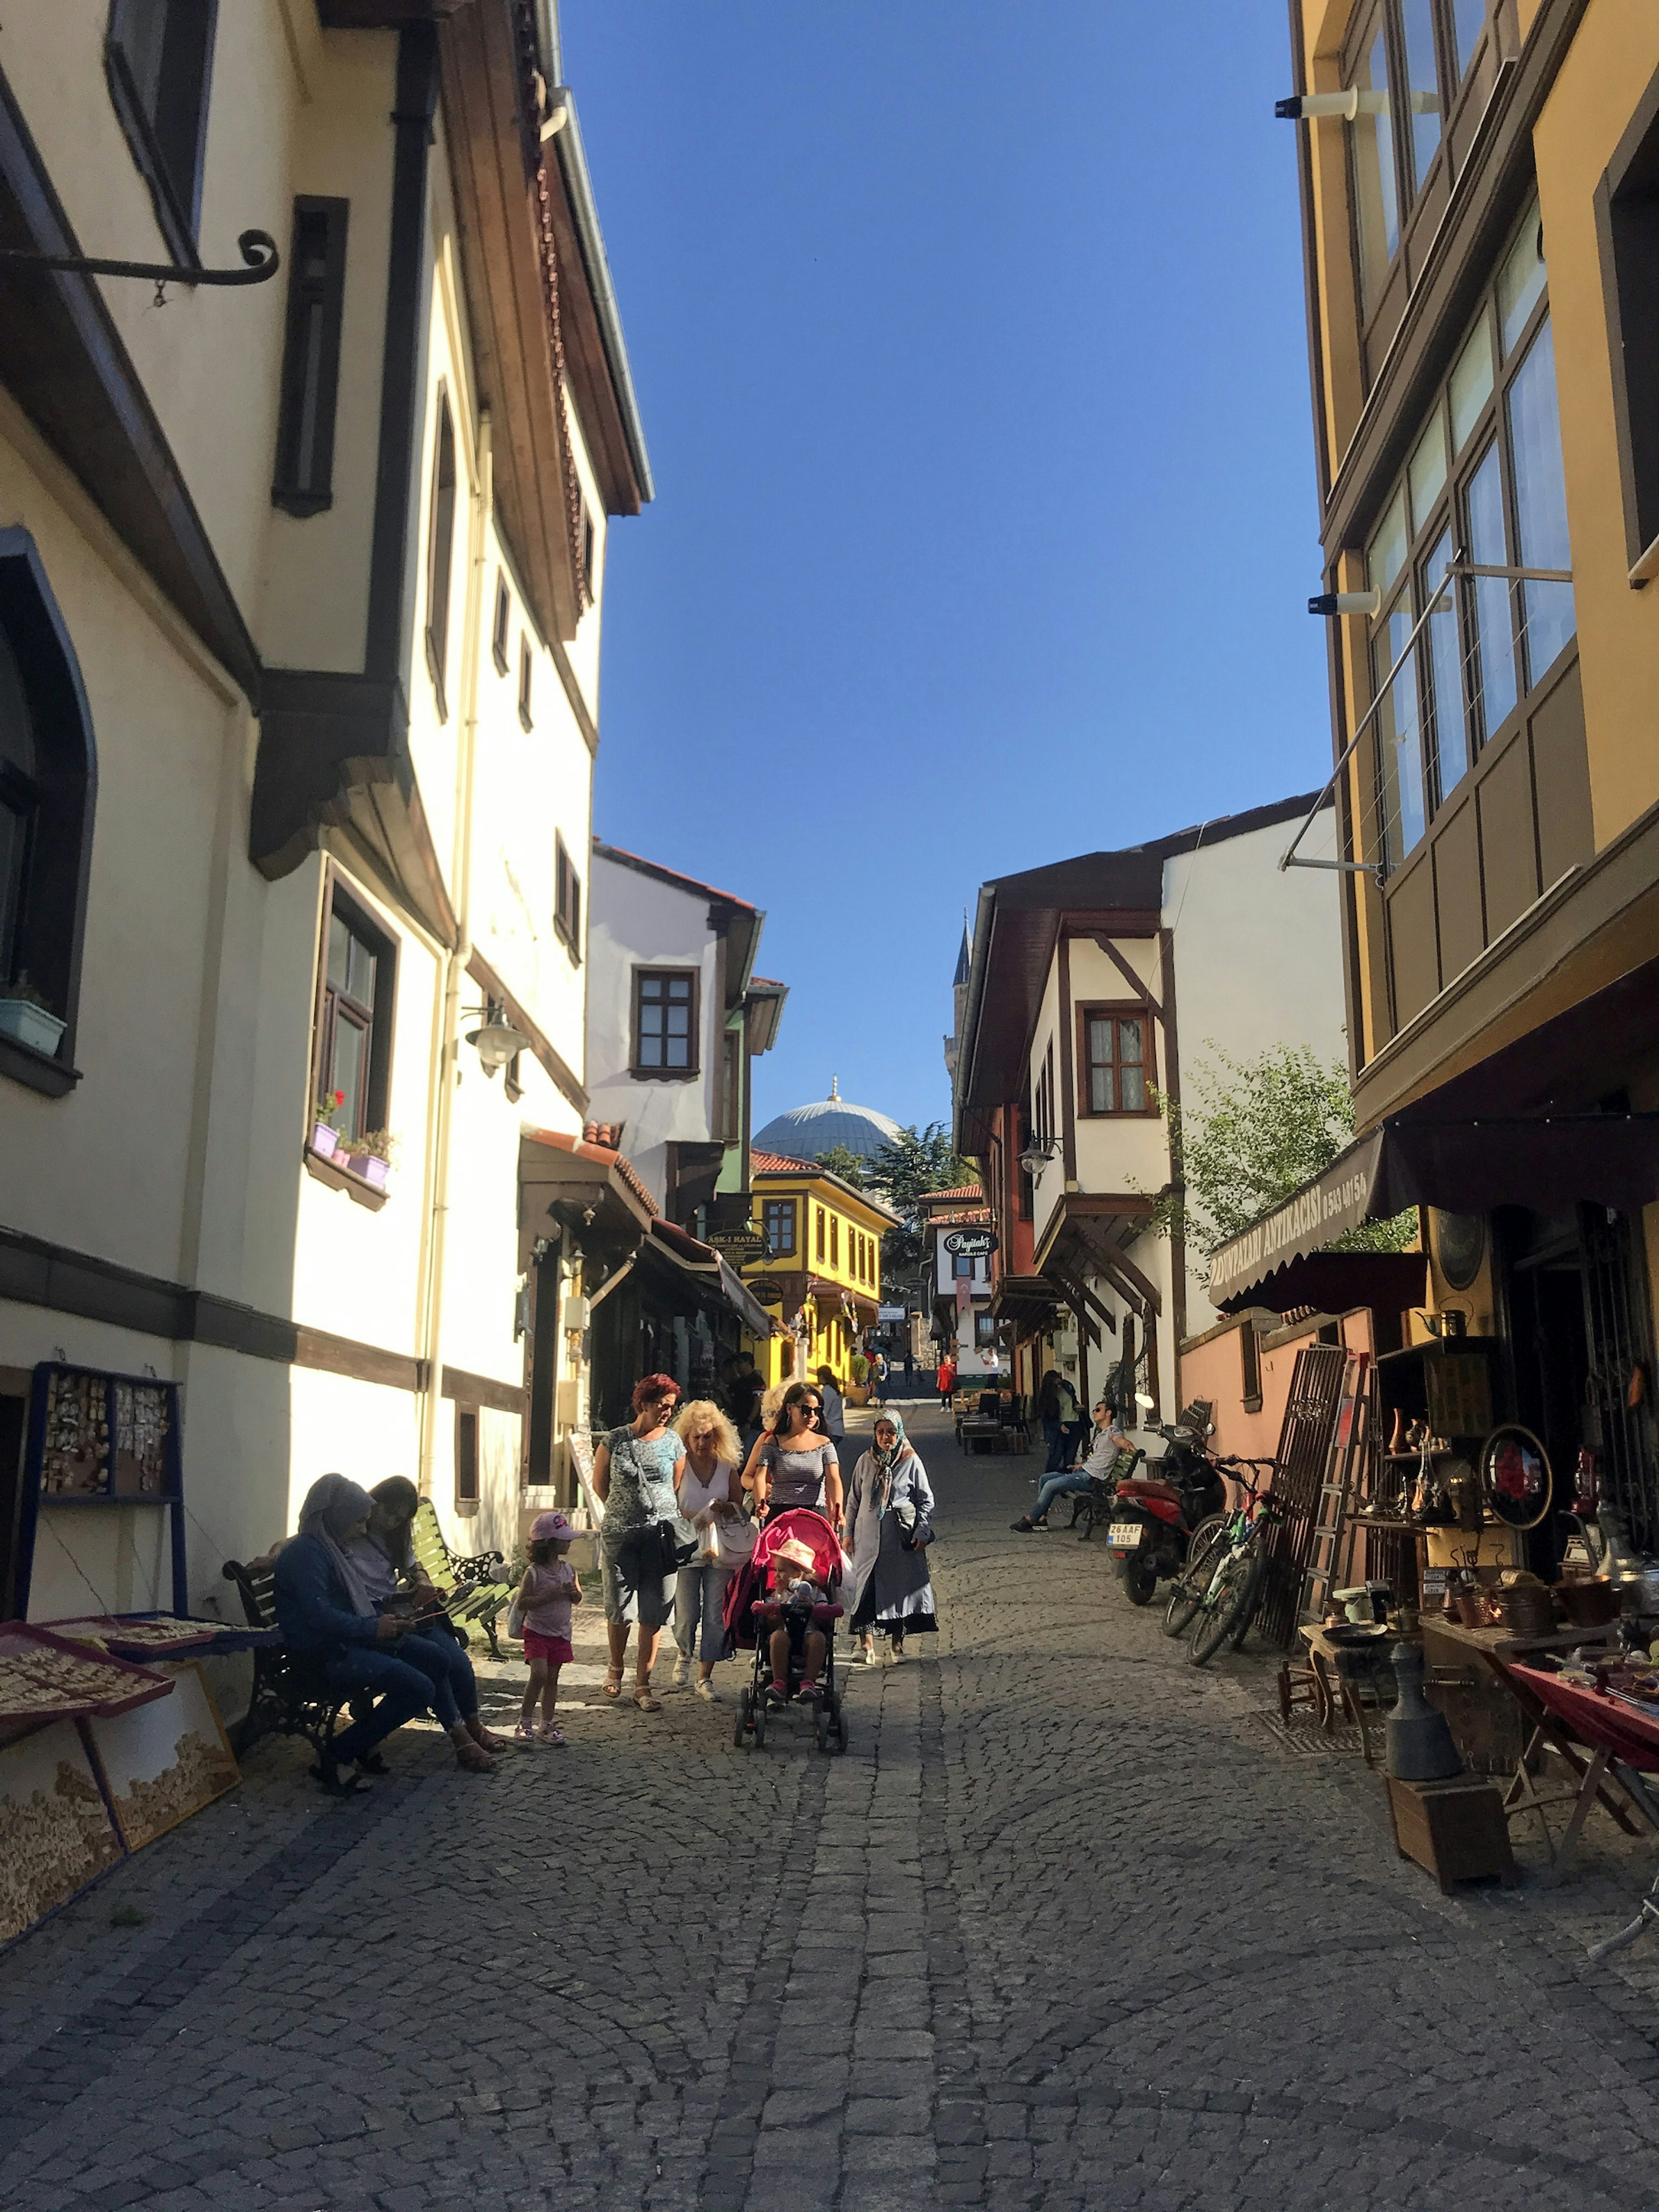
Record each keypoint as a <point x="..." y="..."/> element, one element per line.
<point x="947" y="1380"/>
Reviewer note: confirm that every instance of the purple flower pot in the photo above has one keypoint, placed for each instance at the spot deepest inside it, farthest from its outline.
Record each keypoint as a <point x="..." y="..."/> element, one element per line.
<point x="375" y="1170"/>
<point x="324" y="1141"/>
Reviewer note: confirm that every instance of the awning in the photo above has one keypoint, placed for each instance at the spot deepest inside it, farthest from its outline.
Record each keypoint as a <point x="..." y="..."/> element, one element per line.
<point x="587" y="1190"/>
<point x="1336" y="1282"/>
<point x="1031" y="1302"/>
<point x="1546" y="1162"/>
<point x="710" y="1275"/>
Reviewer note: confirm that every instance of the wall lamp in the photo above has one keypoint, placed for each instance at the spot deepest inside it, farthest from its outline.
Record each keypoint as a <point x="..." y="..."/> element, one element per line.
<point x="1035" y="1157"/>
<point x="497" y="1039"/>
<point x="1346" y="603"/>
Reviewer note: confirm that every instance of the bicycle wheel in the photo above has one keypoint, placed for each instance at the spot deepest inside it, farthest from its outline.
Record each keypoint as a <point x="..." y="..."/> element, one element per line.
<point x="1209" y="1541"/>
<point x="1230" y="1599"/>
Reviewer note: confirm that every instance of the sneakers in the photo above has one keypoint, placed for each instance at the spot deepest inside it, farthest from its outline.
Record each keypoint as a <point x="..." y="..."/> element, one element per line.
<point x="870" y="1656"/>
<point x="682" y="1671"/>
<point x="707" y="1692"/>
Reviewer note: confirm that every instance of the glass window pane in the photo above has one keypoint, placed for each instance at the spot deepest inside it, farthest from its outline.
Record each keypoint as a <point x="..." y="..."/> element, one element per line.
<point x="1422" y="83"/>
<point x="1444" y="669"/>
<point x="650" y="1021"/>
<point x="1540" y="504"/>
<point x="349" y="1073"/>
<point x="1129" y="1042"/>
<point x="1133" y="1080"/>
<point x="1399" y="736"/>
<point x="1521" y="279"/>
<point x="13" y="832"/>
<point x="359" y="973"/>
<point x="1469" y="21"/>
<point x="339" y="951"/>
<point x="1100" y="1037"/>
<point x="1386" y="556"/>
<point x="1103" y="1090"/>
<point x="650" y="987"/>
<point x="1376" y="193"/>
<point x="1471" y="384"/>
<point x="16" y="724"/>
<point x="1428" y="470"/>
<point x="1494" y="640"/>
<point x="679" y="1053"/>
<point x="679" y="986"/>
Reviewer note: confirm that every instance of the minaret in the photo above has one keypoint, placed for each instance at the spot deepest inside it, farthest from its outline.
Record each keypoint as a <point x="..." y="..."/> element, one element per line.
<point x="959" y="998"/>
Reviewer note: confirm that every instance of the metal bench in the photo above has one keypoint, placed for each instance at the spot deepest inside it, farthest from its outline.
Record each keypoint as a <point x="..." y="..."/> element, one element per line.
<point x="291" y="1696"/>
<point x="1093" y="1507"/>
<point x="474" y="1590"/>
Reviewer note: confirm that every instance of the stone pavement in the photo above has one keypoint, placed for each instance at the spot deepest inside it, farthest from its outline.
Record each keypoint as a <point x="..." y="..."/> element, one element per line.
<point x="1064" y="1928"/>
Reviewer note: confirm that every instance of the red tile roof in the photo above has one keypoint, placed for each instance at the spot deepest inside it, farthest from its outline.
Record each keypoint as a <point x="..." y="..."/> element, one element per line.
<point x="604" y="1154"/>
<point x="780" y="1164"/>
<point x="976" y="1215"/>
<point x="962" y="1190"/>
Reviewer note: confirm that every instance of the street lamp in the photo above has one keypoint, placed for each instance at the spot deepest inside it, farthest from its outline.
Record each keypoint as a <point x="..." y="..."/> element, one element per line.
<point x="496" y="1041"/>
<point x="1035" y="1157"/>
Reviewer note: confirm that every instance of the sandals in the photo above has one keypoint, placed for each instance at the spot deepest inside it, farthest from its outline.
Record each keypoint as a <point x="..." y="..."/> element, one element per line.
<point x="613" y="1681"/>
<point x="473" y="1758"/>
<point x="547" y="1733"/>
<point x="524" y="1734"/>
<point x="645" y="1702"/>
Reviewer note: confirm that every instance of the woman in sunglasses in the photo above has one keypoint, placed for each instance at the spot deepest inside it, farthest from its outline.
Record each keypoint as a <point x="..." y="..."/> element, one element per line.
<point x="633" y="1472"/>
<point x="795" y="1464"/>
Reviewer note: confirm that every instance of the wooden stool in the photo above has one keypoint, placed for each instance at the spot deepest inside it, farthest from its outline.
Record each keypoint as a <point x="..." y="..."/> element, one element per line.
<point x="1455" y="1829"/>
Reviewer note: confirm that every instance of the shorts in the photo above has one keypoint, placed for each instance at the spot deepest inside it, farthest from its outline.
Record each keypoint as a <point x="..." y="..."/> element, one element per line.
<point x="635" y="1588"/>
<point x="555" y="1650"/>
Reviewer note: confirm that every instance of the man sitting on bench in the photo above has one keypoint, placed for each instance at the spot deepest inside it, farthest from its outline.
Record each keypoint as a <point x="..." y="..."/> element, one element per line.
<point x="1107" y="1445"/>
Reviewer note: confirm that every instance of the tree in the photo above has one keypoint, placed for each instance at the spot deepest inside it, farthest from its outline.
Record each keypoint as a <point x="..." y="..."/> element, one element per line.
<point x="1251" y="1133"/>
<point x="848" y="1165"/>
<point x="904" y="1169"/>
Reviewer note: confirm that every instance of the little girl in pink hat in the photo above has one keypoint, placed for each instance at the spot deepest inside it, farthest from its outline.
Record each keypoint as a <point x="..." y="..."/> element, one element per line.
<point x="545" y="1596"/>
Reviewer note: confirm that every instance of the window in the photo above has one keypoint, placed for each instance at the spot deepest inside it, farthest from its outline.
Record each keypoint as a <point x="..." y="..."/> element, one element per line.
<point x="567" y="899"/>
<point x="466" y="1457"/>
<point x="962" y="1267"/>
<point x="440" y="552"/>
<point x="1043" y="1115"/>
<point x="665" y="1021"/>
<point x="835" y="1240"/>
<point x="48" y="785"/>
<point x="304" y="481"/>
<point x="158" y="58"/>
<point x="354" y="1029"/>
<point x="1113" y="1056"/>
<point x="818" y="1246"/>
<point x="731" y="1087"/>
<point x="778" y="1221"/>
<point x="1249" y="1358"/>
<point x="984" y="1329"/>
<point x="1408" y="59"/>
<point x="1484" y="471"/>
<point x="586" y="538"/>
<point x="1627" y="226"/>
<point x="526" y="677"/>
<point x="498" y="627"/>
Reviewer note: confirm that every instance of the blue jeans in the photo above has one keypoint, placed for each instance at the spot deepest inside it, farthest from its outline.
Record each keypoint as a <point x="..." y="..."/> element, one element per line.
<point x="1057" y="1486"/>
<point x="447" y="1666"/>
<point x="699" y="1600"/>
<point x="403" y="1692"/>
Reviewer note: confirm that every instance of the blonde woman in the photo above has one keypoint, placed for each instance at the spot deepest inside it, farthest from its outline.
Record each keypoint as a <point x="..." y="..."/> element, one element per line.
<point x="709" y="1488"/>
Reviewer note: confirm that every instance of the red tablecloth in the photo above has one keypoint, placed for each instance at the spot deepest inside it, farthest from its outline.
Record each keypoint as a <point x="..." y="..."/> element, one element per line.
<point x="1607" y="1723"/>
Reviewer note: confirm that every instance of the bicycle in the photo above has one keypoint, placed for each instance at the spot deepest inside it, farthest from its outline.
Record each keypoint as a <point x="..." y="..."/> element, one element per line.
<point x="1228" y="1602"/>
<point x="1204" y="1554"/>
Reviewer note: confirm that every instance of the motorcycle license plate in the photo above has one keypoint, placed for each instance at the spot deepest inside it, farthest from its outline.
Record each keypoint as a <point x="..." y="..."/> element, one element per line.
<point x="1124" y="1536"/>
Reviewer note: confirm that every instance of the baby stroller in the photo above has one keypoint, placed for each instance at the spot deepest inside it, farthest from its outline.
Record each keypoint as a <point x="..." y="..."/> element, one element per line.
<point x="745" y="1600"/>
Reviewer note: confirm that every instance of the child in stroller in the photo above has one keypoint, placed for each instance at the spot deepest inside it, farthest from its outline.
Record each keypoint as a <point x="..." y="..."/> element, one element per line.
<point x="792" y="1624"/>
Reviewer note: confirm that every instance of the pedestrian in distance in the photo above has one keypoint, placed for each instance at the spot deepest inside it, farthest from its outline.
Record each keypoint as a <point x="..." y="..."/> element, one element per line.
<point x="549" y="1590"/>
<point x="742" y="1392"/>
<point x="709" y="1487"/>
<point x="794" y="1463"/>
<point x="834" y="1419"/>
<point x="890" y="1526"/>
<point x="877" y="1374"/>
<point x="947" y="1380"/>
<point x="633" y="1472"/>
<point x="1057" y="1409"/>
<point x="1109" y="1442"/>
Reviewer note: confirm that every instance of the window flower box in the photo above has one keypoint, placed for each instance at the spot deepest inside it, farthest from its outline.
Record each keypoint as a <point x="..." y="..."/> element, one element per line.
<point x="373" y="1170"/>
<point x="325" y="1141"/>
<point x="31" y="1024"/>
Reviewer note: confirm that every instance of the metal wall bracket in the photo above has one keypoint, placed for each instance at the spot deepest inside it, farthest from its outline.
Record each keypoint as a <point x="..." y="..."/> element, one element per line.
<point x="257" y="247"/>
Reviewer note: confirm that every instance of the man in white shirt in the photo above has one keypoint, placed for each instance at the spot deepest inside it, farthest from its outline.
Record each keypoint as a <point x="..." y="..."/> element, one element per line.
<point x="1106" y="1445"/>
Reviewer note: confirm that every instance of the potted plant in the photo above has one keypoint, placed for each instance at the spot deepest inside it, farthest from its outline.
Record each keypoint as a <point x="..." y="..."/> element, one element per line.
<point x="324" y="1137"/>
<point x="25" y="1015"/>
<point x="370" y="1156"/>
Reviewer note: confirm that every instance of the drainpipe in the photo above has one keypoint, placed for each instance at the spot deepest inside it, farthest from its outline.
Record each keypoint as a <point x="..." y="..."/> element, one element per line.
<point x="444" y="1070"/>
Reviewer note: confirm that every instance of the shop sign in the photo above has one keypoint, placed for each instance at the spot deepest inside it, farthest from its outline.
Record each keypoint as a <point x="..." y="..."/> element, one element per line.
<point x="1312" y="1219"/>
<point x="738" y="1244"/>
<point x="890" y="1313"/>
<point x="971" y="1244"/>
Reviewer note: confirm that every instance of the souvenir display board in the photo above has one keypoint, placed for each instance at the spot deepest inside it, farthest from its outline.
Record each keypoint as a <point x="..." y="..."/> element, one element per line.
<point x="139" y="1636"/>
<point x="161" y="1763"/>
<point x="101" y="1440"/>
<point x="43" y="1675"/>
<point x="56" y="1831"/>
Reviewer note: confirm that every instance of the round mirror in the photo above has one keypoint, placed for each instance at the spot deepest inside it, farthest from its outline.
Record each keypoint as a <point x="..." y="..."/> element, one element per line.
<point x="1460" y="1245"/>
<point x="1514" y="1477"/>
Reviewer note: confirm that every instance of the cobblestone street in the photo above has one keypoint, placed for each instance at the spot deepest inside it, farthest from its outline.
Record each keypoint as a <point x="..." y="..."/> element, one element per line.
<point x="1066" y="1927"/>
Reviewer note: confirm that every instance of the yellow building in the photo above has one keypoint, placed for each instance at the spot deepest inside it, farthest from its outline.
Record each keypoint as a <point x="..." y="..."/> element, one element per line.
<point x="821" y="1264"/>
<point x="1478" y="219"/>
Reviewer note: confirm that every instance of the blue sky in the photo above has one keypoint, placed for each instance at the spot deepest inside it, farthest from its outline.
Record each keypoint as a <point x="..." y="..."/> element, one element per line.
<point x="970" y="348"/>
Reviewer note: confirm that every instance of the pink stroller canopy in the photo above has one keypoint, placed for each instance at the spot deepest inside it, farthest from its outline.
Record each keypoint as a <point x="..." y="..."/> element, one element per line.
<point x="829" y="1562"/>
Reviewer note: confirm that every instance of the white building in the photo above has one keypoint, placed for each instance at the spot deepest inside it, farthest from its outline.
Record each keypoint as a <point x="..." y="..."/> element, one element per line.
<point x="675" y="1015"/>
<point x="300" y="590"/>
<point x="1094" y="982"/>
<point x="962" y="1279"/>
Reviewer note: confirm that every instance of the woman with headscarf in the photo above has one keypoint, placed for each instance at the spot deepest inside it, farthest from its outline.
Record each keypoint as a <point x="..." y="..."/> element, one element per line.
<point x="384" y="1556"/>
<point x="889" y="1520"/>
<point x="327" y="1614"/>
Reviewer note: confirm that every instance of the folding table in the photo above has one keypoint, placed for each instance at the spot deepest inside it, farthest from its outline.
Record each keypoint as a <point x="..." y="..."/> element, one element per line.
<point x="1621" y="1737"/>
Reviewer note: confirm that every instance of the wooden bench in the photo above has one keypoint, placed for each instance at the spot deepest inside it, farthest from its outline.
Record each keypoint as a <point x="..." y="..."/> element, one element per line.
<point x="475" y="1590"/>
<point x="291" y="1696"/>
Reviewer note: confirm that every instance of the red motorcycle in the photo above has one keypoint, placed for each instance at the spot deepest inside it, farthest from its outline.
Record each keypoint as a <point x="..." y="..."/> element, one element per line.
<point x="1153" y="1518"/>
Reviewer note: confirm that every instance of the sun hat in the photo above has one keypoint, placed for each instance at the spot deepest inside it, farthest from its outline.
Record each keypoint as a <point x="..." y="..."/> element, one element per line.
<point x="551" y="1528"/>
<point x="795" y="1552"/>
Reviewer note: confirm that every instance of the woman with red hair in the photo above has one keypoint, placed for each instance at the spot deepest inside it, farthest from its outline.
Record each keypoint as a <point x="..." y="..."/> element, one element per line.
<point x="633" y="1472"/>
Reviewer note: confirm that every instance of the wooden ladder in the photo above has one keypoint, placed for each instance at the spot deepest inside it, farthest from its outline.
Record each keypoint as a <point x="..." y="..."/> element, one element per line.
<point x="1349" y="1446"/>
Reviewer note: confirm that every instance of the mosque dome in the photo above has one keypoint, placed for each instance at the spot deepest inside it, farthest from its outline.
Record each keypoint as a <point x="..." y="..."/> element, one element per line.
<point x="807" y="1132"/>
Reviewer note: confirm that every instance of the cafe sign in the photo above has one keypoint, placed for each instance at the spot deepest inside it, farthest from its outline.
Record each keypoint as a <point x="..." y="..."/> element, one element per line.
<point x="971" y="1244"/>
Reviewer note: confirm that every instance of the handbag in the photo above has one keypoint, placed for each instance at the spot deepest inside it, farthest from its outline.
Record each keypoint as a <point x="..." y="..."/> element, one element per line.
<point x="673" y="1551"/>
<point x="515" y="1619"/>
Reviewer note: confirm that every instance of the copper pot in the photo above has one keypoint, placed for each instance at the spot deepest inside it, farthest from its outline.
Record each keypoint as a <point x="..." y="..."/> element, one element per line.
<point x="1472" y="1608"/>
<point x="1590" y="1604"/>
